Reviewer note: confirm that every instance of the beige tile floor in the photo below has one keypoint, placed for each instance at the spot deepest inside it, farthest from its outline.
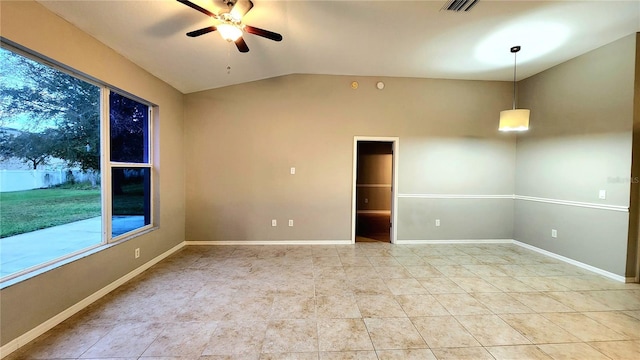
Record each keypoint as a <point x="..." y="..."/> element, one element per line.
<point x="366" y="301"/>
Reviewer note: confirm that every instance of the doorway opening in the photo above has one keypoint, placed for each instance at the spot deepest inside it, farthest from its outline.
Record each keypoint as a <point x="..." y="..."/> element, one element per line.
<point x="374" y="178"/>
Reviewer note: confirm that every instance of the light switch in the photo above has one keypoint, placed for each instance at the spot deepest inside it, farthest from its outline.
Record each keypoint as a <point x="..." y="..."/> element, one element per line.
<point x="602" y="194"/>
<point x="274" y="222"/>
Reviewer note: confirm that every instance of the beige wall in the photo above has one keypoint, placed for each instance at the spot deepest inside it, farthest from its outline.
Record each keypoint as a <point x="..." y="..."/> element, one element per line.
<point x="373" y="198"/>
<point x="29" y="303"/>
<point x="243" y="139"/>
<point x="579" y="143"/>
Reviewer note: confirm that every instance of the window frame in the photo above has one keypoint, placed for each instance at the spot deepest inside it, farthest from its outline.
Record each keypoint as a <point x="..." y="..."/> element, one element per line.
<point x="106" y="166"/>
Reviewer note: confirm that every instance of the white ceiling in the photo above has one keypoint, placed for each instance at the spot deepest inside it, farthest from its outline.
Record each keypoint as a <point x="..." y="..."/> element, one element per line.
<point x="369" y="38"/>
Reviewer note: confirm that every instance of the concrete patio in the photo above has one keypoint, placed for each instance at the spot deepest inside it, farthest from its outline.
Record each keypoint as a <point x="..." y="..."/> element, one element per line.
<point x="26" y="250"/>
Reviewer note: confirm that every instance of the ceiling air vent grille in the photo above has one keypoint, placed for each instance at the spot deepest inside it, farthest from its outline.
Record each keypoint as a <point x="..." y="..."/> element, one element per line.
<point x="459" y="5"/>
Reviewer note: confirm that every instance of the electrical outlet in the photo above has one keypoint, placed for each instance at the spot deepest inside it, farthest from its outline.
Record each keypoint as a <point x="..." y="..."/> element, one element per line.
<point x="602" y="194"/>
<point x="292" y="171"/>
<point x="274" y="222"/>
<point x="437" y="222"/>
<point x="136" y="253"/>
<point x="366" y="201"/>
<point x="554" y="233"/>
<point x="290" y="222"/>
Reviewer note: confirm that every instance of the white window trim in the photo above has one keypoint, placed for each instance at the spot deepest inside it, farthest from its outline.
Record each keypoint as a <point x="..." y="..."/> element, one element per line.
<point x="108" y="166"/>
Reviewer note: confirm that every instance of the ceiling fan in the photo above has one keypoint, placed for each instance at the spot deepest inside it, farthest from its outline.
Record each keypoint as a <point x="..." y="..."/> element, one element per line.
<point x="231" y="27"/>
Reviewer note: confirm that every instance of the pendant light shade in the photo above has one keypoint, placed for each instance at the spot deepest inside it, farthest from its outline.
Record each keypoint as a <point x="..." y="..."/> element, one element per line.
<point x="514" y="119"/>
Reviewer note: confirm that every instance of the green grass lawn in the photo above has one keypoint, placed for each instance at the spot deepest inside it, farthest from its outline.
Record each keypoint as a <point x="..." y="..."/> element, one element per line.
<point x="130" y="201"/>
<point x="25" y="211"/>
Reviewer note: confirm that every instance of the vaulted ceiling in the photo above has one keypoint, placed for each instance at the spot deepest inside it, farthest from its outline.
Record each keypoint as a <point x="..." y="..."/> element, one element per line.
<point x="358" y="38"/>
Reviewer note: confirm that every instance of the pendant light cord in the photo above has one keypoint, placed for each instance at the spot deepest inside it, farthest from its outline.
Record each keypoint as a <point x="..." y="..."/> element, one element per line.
<point x="515" y="55"/>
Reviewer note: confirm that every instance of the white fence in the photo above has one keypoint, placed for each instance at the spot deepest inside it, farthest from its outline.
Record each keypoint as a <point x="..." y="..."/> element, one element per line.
<point x="17" y="180"/>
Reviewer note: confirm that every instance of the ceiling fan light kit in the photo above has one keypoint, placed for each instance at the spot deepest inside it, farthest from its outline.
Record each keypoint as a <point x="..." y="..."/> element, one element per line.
<point x="231" y="27"/>
<point x="514" y="119"/>
<point x="229" y="32"/>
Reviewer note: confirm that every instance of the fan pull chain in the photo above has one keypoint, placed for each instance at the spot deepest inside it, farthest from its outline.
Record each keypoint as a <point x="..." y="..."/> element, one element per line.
<point x="229" y="57"/>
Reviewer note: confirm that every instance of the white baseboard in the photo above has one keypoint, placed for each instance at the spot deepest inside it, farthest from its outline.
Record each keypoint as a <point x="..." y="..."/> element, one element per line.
<point x="271" y="242"/>
<point x="29" y="336"/>
<point x="579" y="264"/>
<point x="461" y="241"/>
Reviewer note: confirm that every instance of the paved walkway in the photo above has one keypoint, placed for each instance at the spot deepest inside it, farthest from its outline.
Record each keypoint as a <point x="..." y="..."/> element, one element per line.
<point x="33" y="248"/>
<point x="23" y="251"/>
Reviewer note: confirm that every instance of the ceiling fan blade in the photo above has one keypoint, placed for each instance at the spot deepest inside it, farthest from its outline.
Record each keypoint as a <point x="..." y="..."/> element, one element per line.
<point x="241" y="45"/>
<point x="241" y="8"/>
<point x="264" y="33"/>
<point x="197" y="7"/>
<point x="201" y="31"/>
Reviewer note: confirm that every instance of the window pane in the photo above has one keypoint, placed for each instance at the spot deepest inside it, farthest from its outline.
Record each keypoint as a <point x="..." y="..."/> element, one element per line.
<point x="50" y="195"/>
<point x="129" y="129"/>
<point x="131" y="199"/>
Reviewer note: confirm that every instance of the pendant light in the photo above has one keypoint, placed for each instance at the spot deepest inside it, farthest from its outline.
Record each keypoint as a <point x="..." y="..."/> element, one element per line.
<point x="514" y="119"/>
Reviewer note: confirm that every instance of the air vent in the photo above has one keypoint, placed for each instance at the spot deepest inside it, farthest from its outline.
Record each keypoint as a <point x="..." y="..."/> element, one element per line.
<point x="459" y="5"/>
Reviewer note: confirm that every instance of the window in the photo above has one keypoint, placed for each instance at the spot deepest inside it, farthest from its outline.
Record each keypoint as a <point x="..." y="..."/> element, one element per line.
<point x="75" y="159"/>
<point x="130" y="166"/>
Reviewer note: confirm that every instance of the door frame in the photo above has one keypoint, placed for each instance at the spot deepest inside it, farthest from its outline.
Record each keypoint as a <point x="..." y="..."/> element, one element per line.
<point x="395" y="143"/>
